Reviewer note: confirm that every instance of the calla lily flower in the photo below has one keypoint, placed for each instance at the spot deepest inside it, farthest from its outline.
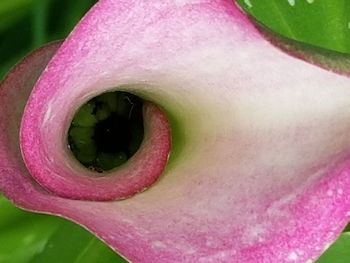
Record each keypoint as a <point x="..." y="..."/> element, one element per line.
<point x="256" y="127"/>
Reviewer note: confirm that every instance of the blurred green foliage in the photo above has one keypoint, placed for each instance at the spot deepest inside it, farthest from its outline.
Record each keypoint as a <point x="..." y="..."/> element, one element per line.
<point x="27" y="24"/>
<point x="32" y="238"/>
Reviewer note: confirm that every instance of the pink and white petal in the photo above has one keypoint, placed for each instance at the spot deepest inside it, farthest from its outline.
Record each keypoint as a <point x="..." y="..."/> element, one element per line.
<point x="260" y="170"/>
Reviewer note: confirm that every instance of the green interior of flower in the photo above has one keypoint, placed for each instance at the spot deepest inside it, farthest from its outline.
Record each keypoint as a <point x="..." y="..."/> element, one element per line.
<point x="107" y="130"/>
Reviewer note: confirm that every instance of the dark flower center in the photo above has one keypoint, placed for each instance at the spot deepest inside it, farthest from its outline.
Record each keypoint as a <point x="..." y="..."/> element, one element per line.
<point x="107" y="130"/>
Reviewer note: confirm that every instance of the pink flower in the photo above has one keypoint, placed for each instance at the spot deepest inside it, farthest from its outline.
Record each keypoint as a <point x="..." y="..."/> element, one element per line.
<point x="259" y="168"/>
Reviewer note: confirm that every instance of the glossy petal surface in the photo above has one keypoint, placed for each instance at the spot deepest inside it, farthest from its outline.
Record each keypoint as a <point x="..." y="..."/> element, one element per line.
<point x="260" y="165"/>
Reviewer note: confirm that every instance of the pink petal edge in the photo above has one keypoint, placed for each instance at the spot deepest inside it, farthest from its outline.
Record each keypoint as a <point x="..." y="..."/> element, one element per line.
<point x="62" y="175"/>
<point x="265" y="177"/>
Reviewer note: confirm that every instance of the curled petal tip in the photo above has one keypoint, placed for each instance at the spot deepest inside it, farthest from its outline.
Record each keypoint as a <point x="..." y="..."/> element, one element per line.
<point x="55" y="170"/>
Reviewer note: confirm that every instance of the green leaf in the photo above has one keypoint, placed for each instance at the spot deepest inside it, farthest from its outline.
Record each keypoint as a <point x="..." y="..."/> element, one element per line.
<point x="322" y="23"/>
<point x="72" y="244"/>
<point x="339" y="252"/>
<point x="22" y="234"/>
<point x="31" y="238"/>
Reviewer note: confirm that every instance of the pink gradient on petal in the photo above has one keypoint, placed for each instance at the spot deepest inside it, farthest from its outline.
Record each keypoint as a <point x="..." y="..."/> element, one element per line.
<point x="61" y="176"/>
<point x="264" y="170"/>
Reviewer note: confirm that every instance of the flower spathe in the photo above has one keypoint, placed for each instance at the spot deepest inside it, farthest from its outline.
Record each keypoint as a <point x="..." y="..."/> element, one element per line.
<point x="259" y="170"/>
